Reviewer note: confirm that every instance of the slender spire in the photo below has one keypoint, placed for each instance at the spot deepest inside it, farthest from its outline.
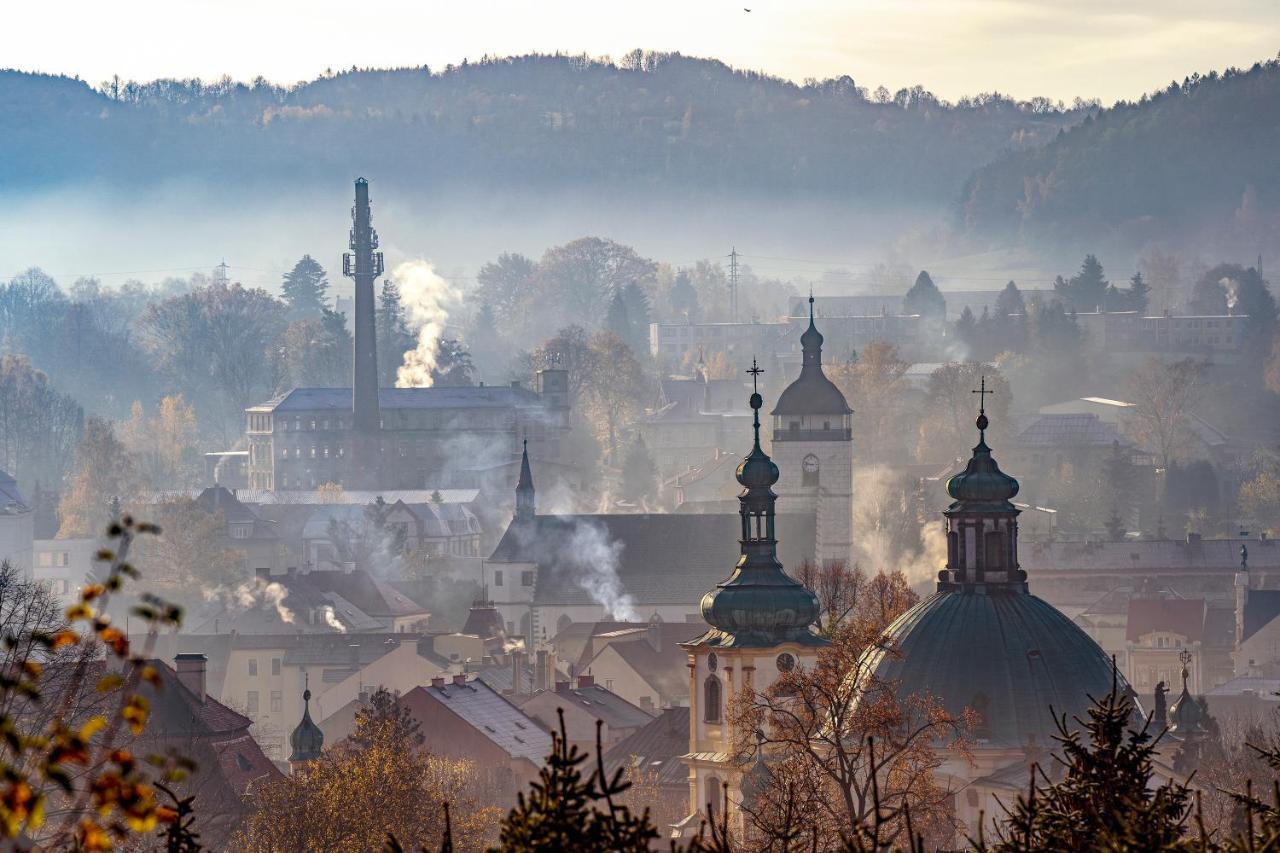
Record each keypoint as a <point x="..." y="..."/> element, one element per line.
<point x="307" y="739"/>
<point x="756" y="400"/>
<point x="982" y="421"/>
<point x="526" y="508"/>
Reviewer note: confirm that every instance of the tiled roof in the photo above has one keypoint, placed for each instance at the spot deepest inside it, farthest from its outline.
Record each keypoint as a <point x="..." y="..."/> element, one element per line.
<point x="223" y="500"/>
<point x="1183" y="616"/>
<point x="498" y="676"/>
<point x="1149" y="554"/>
<point x="1262" y="606"/>
<point x="661" y="559"/>
<point x="440" y="397"/>
<point x="367" y="593"/>
<point x="601" y="703"/>
<point x="1057" y="431"/>
<point x="491" y="715"/>
<point x="656" y="748"/>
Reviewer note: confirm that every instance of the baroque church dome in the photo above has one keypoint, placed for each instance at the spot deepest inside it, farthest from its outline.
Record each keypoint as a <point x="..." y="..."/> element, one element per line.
<point x="983" y="642"/>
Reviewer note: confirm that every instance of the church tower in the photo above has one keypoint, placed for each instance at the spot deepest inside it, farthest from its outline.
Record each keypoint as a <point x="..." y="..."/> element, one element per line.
<point x="813" y="443"/>
<point x="307" y="739"/>
<point x="761" y="625"/>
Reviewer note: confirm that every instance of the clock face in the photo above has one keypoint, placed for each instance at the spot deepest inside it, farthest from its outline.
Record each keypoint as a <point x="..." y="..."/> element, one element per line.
<point x="712" y="661"/>
<point x="785" y="662"/>
<point x="809" y="464"/>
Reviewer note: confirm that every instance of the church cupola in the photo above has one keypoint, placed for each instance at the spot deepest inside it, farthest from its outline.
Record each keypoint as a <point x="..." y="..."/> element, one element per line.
<point x="526" y="508"/>
<point x="307" y="739"/>
<point x="812" y="394"/>
<point x="759" y="604"/>
<point x="982" y="525"/>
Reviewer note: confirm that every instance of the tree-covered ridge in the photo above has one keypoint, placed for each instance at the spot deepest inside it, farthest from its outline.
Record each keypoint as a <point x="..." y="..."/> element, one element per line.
<point x="650" y="120"/>
<point x="1199" y="151"/>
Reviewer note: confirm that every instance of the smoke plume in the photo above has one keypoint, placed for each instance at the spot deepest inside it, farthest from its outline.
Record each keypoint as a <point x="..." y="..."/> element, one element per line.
<point x="254" y="593"/>
<point x="426" y="298"/>
<point x="594" y="558"/>
<point x="331" y="619"/>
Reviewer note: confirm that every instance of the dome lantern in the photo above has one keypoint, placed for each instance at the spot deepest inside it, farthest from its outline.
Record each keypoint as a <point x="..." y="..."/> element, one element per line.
<point x="307" y="739"/>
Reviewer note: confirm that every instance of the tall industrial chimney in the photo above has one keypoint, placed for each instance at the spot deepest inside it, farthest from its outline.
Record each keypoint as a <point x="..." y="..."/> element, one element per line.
<point x="364" y="265"/>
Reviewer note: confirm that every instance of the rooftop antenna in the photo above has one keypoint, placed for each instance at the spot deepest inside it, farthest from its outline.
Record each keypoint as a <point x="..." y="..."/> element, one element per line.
<point x="733" y="284"/>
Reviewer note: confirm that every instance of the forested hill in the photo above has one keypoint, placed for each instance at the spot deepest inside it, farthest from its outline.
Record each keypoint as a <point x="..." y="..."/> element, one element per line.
<point x="1200" y="156"/>
<point x="652" y="121"/>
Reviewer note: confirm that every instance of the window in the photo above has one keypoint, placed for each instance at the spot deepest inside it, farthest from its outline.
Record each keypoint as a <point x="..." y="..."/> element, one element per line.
<point x="253" y="667"/>
<point x="251" y="702"/>
<point x="711" y="699"/>
<point x="714" y="792"/>
<point x="497" y="577"/>
<point x="526" y="578"/>
<point x="277" y="702"/>
<point x="275" y="666"/>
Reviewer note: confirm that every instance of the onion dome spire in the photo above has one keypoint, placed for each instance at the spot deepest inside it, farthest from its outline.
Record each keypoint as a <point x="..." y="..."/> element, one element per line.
<point x="812" y="393"/>
<point x="307" y="739"/>
<point x="982" y="486"/>
<point x="759" y="604"/>
<point x="1187" y="714"/>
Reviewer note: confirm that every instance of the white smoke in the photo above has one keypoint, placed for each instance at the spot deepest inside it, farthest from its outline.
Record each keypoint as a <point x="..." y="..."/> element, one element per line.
<point x="331" y="619"/>
<point x="888" y="530"/>
<point x="426" y="298"/>
<point x="591" y="559"/>
<point x="256" y="592"/>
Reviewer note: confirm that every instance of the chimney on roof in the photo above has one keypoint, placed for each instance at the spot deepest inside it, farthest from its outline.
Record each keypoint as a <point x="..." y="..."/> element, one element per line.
<point x="540" y="680"/>
<point x="517" y="658"/>
<point x="460" y="679"/>
<point x="438" y="682"/>
<point x="191" y="667"/>
<point x="1193" y="538"/>
<point x="562" y="686"/>
<point x="586" y="681"/>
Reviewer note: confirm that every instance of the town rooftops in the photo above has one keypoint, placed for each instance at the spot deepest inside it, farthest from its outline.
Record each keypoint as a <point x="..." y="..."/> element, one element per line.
<point x="1184" y="616"/>
<point x="601" y="703"/>
<point x="661" y="663"/>
<point x="1067" y="430"/>
<point x="439" y="397"/>
<point x="1262" y="606"/>
<point x="661" y="559"/>
<point x="11" y="500"/>
<point x="486" y="711"/>
<point x="655" y="749"/>
<point x="1193" y="554"/>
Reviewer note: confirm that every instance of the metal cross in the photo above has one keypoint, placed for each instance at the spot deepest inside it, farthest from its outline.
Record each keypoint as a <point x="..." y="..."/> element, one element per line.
<point x="755" y="371"/>
<point x="982" y="399"/>
<point x="1185" y="657"/>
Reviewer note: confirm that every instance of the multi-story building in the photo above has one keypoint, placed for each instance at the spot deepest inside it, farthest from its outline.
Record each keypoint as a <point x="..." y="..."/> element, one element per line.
<point x="1217" y="336"/>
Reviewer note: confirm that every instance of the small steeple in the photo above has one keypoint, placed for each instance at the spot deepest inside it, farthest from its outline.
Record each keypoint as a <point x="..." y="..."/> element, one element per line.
<point x="760" y="604"/>
<point x="307" y="739"/>
<point x="526" y="507"/>
<point x="1186" y="713"/>
<point x="982" y="527"/>
<point x="811" y="340"/>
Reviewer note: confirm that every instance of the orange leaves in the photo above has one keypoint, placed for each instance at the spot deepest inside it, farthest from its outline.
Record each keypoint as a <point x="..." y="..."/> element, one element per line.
<point x="116" y="639"/>
<point x="135" y="712"/>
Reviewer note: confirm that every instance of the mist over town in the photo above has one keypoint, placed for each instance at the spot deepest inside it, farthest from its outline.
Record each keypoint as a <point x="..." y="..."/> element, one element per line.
<point x="507" y="440"/>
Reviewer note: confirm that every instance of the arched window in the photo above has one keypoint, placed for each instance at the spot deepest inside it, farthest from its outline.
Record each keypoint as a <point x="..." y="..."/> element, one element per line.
<point x="809" y="471"/>
<point x="563" y="622"/>
<point x="953" y="550"/>
<point x="995" y="550"/>
<point x="711" y="700"/>
<point x="714" y="799"/>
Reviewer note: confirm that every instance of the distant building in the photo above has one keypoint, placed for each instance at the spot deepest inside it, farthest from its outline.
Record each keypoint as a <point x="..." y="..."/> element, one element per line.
<point x="890" y="304"/>
<point x="229" y="468"/>
<point x="644" y="665"/>
<point x="676" y="344"/>
<point x="1157" y="631"/>
<point x="67" y="565"/>
<point x="692" y="418"/>
<point x="1219" y="337"/>
<point x="653" y="754"/>
<point x="371" y="437"/>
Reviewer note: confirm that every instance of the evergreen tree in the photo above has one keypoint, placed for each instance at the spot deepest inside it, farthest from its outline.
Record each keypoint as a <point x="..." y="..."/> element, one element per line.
<point x="639" y="474"/>
<point x="684" y="299"/>
<point x="637" y="304"/>
<point x="617" y="320"/>
<point x="1139" y="293"/>
<point x="924" y="298"/>
<point x="304" y="286"/>
<point x="394" y="339"/>
<point x="453" y="365"/>
<point x="967" y="330"/>
<point x="1010" y="301"/>
<point x="1087" y="289"/>
<point x="1106" y="800"/>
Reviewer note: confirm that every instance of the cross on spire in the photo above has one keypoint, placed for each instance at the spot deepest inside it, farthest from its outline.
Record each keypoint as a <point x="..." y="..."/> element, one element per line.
<point x="755" y="372"/>
<point x="982" y="398"/>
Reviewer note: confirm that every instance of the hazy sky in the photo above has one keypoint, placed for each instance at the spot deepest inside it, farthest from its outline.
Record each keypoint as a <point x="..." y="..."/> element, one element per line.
<point x="1060" y="48"/>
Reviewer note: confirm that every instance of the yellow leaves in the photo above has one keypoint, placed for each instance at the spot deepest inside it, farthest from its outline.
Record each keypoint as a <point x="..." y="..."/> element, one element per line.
<point x="77" y="612"/>
<point x="92" y="591"/>
<point x="66" y="637"/>
<point x="21" y="808"/>
<point x="151" y="675"/>
<point x="92" y="727"/>
<point x="32" y="668"/>
<point x="93" y="837"/>
<point x="116" y="639"/>
<point x="109" y="682"/>
<point x="135" y="713"/>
